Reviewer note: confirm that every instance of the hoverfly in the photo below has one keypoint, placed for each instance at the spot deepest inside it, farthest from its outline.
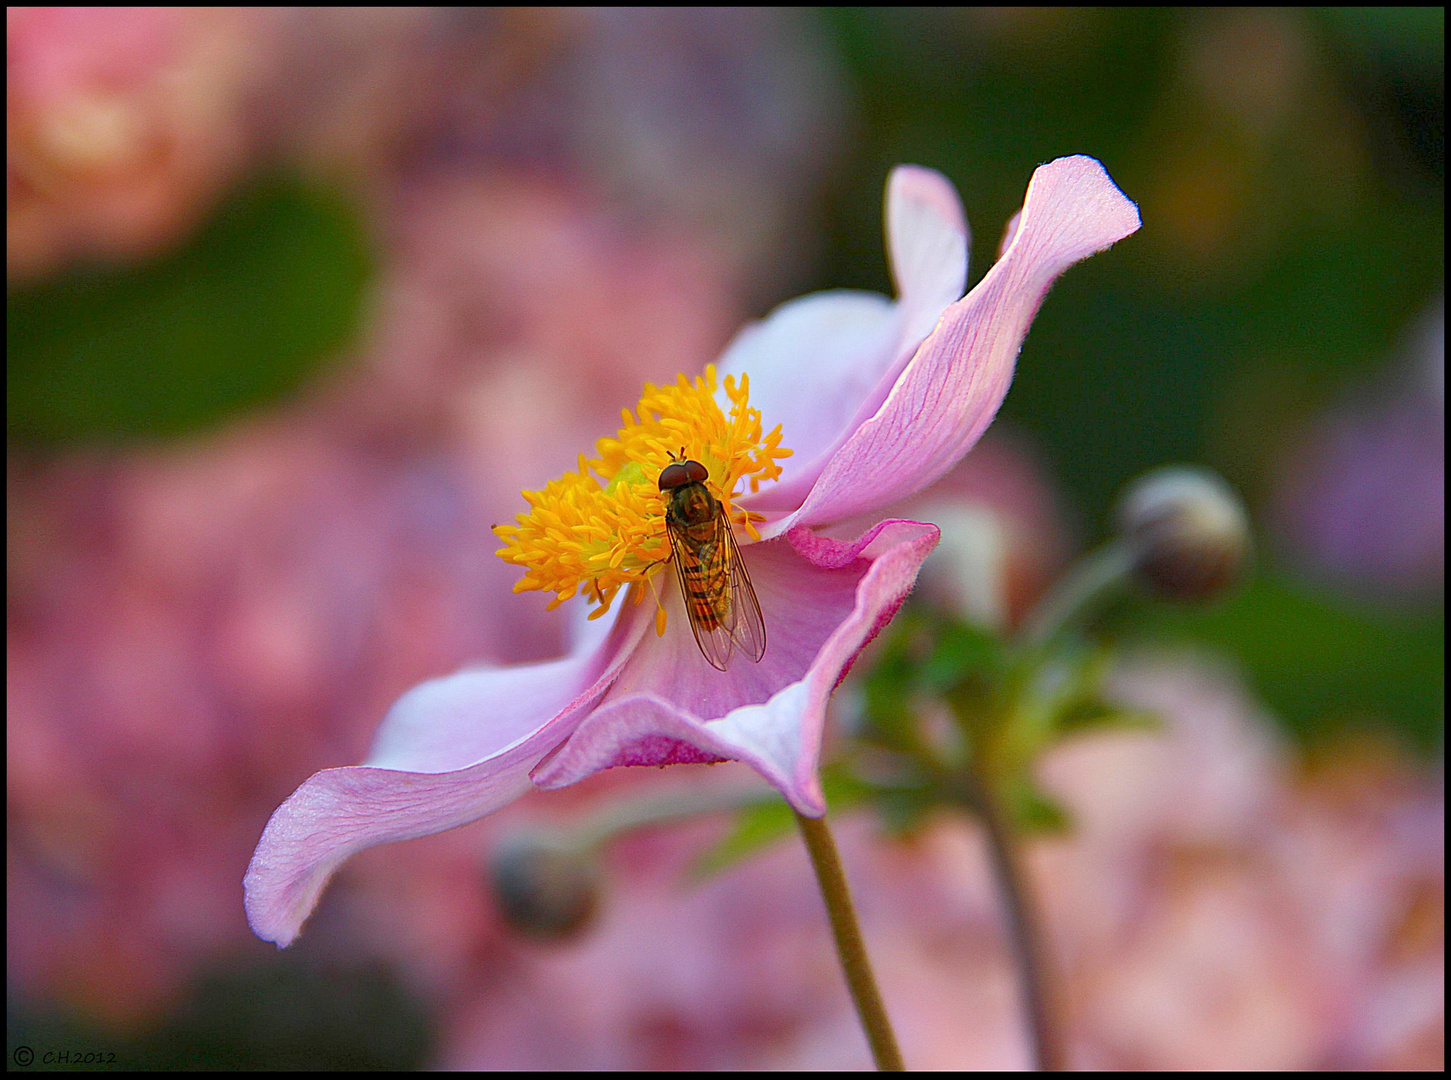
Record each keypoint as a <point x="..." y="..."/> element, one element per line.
<point x="722" y="606"/>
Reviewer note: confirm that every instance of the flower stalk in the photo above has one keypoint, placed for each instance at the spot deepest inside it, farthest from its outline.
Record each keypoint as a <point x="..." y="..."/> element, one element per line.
<point x="1030" y="952"/>
<point x="849" y="945"/>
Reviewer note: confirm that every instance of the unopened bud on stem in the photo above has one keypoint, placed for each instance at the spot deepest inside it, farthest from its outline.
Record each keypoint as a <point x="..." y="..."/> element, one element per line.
<point x="547" y="888"/>
<point x="1187" y="532"/>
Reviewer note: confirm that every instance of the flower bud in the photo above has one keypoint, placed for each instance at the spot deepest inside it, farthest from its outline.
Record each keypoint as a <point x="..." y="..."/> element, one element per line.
<point x="546" y="888"/>
<point x="1187" y="531"/>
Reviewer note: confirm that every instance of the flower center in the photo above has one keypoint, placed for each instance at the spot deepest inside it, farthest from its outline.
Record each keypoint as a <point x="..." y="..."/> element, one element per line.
<point x="603" y="527"/>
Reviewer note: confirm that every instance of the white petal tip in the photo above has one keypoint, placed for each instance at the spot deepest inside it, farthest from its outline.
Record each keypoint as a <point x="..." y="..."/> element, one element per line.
<point x="919" y="184"/>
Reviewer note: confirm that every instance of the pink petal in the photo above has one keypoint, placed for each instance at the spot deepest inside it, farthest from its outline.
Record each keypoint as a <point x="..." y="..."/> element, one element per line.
<point x="841" y="352"/>
<point x="928" y="243"/>
<point x="451" y="723"/>
<point x="949" y="393"/>
<point x="449" y="752"/>
<point x="822" y="601"/>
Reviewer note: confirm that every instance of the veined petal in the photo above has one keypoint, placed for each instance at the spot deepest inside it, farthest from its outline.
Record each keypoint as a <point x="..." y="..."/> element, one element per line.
<point x="952" y="388"/>
<point x="450" y="751"/>
<point x="822" y="364"/>
<point x="823" y="600"/>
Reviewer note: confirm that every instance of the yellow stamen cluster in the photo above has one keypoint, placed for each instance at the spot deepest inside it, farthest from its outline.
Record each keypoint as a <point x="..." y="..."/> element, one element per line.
<point x="603" y="527"/>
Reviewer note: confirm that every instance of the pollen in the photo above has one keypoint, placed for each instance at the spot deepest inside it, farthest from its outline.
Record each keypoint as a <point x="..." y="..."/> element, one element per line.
<point x="602" y="527"/>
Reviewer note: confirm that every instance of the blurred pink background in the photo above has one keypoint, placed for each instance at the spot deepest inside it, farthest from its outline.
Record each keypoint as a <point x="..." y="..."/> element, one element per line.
<point x="194" y="627"/>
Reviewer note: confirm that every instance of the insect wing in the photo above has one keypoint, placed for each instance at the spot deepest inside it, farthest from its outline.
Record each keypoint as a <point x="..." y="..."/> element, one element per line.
<point x="703" y="575"/>
<point x="716" y="590"/>
<point x="748" y="629"/>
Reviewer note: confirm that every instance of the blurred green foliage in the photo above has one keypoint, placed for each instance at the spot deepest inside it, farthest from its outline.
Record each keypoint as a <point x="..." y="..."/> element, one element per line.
<point x="966" y="714"/>
<point x="243" y="314"/>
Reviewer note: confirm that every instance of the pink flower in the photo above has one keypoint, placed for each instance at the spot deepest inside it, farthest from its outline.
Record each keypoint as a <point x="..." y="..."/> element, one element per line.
<point x="876" y="399"/>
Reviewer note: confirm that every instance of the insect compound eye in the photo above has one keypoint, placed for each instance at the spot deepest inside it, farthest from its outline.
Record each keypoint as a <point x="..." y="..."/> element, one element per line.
<point x="679" y="473"/>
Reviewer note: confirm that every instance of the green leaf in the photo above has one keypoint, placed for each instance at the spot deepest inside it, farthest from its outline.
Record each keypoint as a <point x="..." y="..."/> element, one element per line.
<point x="890" y="686"/>
<point x="756" y="828"/>
<point x="1088" y="714"/>
<point x="904" y="811"/>
<point x="242" y="315"/>
<point x="1034" y="811"/>
<point x="962" y="652"/>
<point x="760" y="825"/>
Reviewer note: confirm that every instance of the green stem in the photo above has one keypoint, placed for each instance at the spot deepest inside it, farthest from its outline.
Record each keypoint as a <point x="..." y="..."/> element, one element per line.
<point x="849" y="946"/>
<point x="1086" y="583"/>
<point x="1024" y="928"/>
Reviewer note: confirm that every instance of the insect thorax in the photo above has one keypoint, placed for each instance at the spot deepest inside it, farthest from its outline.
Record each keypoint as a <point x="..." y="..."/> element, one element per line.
<point x="692" y="506"/>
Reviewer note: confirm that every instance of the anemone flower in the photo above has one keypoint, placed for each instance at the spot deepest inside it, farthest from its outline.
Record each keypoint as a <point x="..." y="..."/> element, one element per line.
<point x="875" y="399"/>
